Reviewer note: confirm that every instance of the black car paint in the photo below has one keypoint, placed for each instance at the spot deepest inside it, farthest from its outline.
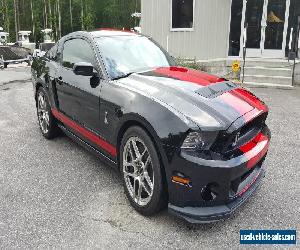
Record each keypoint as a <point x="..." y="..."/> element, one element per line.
<point x="110" y="108"/>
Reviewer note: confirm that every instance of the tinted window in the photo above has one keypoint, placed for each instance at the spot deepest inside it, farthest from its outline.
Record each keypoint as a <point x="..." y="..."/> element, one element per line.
<point x="182" y="13"/>
<point x="129" y="54"/>
<point x="77" y="50"/>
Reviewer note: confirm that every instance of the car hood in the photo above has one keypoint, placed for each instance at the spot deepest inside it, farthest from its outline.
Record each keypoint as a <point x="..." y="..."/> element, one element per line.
<point x="209" y="101"/>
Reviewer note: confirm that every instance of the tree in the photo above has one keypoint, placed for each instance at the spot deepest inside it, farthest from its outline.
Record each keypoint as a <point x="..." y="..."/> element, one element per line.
<point x="16" y="18"/>
<point x="71" y="15"/>
<point x="65" y="16"/>
<point x="32" y="18"/>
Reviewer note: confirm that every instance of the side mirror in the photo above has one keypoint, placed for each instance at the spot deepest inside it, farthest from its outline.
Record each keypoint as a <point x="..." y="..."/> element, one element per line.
<point x="83" y="69"/>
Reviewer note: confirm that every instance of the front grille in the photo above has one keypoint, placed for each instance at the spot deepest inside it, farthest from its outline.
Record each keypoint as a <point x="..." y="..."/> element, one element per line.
<point x="227" y="144"/>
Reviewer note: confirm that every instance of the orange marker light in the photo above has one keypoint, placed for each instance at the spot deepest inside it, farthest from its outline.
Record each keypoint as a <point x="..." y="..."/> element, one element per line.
<point x="181" y="180"/>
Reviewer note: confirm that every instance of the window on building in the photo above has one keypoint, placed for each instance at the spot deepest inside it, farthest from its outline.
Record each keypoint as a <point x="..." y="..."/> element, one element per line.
<point x="182" y="14"/>
<point x="294" y="23"/>
<point x="235" y="27"/>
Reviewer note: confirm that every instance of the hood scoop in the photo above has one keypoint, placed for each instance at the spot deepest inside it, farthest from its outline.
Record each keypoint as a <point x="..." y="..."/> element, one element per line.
<point x="216" y="89"/>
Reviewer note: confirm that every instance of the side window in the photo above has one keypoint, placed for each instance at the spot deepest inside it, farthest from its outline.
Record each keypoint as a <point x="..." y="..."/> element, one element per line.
<point x="182" y="14"/>
<point x="77" y="50"/>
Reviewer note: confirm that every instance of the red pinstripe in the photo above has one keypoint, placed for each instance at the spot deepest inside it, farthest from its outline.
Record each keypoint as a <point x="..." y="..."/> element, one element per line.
<point x="85" y="133"/>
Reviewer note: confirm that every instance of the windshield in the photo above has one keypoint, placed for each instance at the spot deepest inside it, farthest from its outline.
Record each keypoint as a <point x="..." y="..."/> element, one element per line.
<point x="124" y="55"/>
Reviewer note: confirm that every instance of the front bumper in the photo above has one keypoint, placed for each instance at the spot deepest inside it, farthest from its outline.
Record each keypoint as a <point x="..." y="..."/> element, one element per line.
<point x="215" y="213"/>
<point x="232" y="181"/>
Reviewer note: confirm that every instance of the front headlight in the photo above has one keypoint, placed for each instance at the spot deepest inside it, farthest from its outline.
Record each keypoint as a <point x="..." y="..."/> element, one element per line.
<point x="199" y="140"/>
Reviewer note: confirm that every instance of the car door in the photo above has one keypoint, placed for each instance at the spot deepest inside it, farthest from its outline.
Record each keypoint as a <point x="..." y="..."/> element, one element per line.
<point x="76" y="97"/>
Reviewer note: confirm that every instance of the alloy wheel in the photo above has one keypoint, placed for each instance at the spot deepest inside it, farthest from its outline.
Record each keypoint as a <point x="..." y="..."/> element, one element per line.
<point x="43" y="113"/>
<point x="138" y="171"/>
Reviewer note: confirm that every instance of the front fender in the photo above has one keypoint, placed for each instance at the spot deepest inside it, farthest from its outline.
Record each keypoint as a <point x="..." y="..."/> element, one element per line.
<point x="120" y="105"/>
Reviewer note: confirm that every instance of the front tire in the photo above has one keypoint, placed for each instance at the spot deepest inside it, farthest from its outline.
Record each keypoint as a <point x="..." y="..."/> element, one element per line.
<point x="141" y="172"/>
<point x="47" y="121"/>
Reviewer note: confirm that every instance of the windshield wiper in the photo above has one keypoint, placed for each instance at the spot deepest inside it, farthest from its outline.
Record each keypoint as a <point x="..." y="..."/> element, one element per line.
<point x="123" y="76"/>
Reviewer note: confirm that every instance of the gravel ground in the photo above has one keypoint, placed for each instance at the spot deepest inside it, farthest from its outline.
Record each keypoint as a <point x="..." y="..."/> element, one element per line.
<point x="55" y="194"/>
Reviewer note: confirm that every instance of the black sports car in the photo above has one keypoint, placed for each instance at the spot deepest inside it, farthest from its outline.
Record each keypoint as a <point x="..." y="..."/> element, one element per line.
<point x="178" y="136"/>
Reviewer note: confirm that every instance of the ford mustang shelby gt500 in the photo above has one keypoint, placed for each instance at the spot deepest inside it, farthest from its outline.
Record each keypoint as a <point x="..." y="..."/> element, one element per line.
<point x="179" y="137"/>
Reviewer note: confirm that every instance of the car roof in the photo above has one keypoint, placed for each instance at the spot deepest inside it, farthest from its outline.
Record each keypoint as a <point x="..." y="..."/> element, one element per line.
<point x="112" y="32"/>
<point x="101" y="33"/>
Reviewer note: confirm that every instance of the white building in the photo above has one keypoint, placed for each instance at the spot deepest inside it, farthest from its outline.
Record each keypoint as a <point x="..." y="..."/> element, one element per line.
<point x="213" y="31"/>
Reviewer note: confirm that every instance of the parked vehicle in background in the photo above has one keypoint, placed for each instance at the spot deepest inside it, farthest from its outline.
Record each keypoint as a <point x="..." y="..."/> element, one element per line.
<point x="180" y="137"/>
<point x="43" y="48"/>
<point x="13" y="53"/>
<point x="137" y="16"/>
<point x="46" y="45"/>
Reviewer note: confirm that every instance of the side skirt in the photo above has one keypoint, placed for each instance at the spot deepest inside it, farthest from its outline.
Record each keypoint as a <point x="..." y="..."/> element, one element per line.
<point x="88" y="147"/>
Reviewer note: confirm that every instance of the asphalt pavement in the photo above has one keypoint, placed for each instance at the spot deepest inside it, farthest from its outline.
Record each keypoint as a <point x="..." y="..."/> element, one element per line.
<point x="55" y="194"/>
<point x="17" y="72"/>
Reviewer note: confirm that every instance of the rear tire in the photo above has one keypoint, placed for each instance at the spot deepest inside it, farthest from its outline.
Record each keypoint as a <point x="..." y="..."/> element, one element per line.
<point x="47" y="122"/>
<point x="141" y="172"/>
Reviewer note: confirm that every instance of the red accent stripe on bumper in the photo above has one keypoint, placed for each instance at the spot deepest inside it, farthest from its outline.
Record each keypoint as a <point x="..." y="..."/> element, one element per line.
<point x="85" y="133"/>
<point x="255" y="149"/>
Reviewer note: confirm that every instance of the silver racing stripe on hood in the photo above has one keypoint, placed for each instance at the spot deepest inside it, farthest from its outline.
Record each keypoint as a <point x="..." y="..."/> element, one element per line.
<point x="194" y="116"/>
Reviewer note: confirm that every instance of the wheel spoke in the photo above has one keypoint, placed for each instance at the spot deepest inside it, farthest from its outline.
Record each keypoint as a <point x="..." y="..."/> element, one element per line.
<point x="44" y="126"/>
<point x="146" y="189"/>
<point x="148" y="180"/>
<point x="136" y="150"/>
<point x="147" y="162"/>
<point x="129" y="174"/>
<point x="134" y="189"/>
<point x="145" y="150"/>
<point x="47" y="118"/>
<point x="131" y="154"/>
<point x="139" y="194"/>
<point x="42" y="110"/>
<point x="41" y="102"/>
